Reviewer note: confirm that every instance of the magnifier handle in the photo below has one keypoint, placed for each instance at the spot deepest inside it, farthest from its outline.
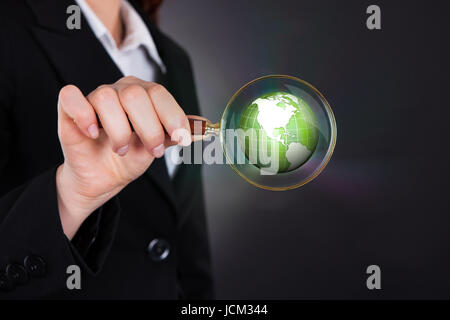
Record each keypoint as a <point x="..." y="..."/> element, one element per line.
<point x="198" y="125"/>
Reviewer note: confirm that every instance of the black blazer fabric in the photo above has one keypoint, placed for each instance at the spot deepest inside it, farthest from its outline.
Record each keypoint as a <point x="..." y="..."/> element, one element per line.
<point x="150" y="241"/>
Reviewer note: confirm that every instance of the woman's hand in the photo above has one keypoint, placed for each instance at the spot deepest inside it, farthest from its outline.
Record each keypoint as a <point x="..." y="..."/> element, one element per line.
<point x="101" y="162"/>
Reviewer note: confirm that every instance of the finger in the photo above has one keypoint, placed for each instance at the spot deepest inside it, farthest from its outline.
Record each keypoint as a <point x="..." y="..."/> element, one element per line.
<point x="142" y="115"/>
<point x="170" y="114"/>
<point x="74" y="109"/>
<point x="112" y="117"/>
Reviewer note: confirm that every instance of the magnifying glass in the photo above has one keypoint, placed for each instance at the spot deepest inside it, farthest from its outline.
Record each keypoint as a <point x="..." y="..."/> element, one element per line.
<point x="277" y="132"/>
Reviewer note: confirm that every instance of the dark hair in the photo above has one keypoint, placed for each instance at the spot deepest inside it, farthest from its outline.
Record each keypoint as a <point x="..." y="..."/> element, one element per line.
<point x="151" y="8"/>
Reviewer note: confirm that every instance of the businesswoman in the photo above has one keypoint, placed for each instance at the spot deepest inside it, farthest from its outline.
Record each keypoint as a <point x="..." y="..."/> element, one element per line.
<point x="89" y="205"/>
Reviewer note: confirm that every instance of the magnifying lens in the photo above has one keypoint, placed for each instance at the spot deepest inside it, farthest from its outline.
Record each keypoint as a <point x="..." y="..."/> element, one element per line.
<point x="277" y="132"/>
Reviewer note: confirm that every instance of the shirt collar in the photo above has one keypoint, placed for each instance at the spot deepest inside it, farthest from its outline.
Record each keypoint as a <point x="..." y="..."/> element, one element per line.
<point x="136" y="35"/>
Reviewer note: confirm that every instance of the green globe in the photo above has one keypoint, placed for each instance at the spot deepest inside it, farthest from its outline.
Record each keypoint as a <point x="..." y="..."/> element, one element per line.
<point x="281" y="127"/>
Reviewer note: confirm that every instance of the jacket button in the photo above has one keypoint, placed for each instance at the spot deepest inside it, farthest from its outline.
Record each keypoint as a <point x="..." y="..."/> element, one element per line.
<point x="158" y="249"/>
<point x="35" y="266"/>
<point x="17" y="273"/>
<point x="6" y="284"/>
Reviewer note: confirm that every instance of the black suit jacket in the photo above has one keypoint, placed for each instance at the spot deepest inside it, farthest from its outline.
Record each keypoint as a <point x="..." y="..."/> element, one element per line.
<point x="38" y="56"/>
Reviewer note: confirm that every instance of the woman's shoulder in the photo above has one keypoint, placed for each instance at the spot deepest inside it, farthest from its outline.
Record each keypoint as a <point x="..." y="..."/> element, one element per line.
<point x="14" y="13"/>
<point x="16" y="17"/>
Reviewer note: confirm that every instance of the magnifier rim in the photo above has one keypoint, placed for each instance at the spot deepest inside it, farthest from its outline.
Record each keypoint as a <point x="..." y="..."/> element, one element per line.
<point x="330" y="149"/>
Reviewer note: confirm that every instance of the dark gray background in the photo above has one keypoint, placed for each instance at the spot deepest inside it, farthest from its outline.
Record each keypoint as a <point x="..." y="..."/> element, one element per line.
<point x="383" y="199"/>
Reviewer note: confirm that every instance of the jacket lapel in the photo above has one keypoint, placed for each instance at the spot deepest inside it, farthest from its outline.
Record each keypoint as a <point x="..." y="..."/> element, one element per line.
<point x="77" y="55"/>
<point x="79" y="58"/>
<point x="178" y="80"/>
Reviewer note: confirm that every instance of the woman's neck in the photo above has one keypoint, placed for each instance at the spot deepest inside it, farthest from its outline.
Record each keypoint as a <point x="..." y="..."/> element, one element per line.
<point x="109" y="13"/>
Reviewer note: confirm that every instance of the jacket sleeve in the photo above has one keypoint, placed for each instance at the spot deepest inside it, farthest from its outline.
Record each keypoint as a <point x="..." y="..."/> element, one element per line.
<point x="34" y="251"/>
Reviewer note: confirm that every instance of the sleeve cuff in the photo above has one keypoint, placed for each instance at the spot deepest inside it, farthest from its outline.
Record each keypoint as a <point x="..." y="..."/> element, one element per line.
<point x="30" y="226"/>
<point x="93" y="241"/>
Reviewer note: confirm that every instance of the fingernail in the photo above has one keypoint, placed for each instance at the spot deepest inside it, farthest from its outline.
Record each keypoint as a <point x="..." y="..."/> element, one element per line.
<point x="158" y="151"/>
<point x="182" y="137"/>
<point x="123" y="151"/>
<point x="93" y="131"/>
<point x="185" y="140"/>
